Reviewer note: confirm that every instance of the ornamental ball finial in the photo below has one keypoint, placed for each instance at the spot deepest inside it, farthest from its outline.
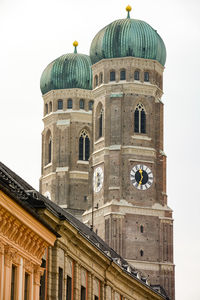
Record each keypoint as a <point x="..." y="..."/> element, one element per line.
<point x="128" y="8"/>
<point x="75" y="43"/>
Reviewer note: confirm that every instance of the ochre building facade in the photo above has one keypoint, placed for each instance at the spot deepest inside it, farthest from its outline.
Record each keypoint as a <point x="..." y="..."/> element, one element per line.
<point x="24" y="238"/>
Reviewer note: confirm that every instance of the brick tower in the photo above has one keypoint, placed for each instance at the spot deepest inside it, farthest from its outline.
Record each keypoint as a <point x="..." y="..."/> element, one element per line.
<point x="128" y="163"/>
<point x="66" y="85"/>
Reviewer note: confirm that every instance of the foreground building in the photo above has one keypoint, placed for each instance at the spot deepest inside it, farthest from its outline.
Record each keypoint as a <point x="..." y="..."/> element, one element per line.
<point x="110" y="161"/>
<point x="24" y="238"/>
<point x="80" y="265"/>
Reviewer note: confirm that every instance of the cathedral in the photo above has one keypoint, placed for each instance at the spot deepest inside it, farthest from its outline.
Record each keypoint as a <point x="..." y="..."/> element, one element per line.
<point x="103" y="156"/>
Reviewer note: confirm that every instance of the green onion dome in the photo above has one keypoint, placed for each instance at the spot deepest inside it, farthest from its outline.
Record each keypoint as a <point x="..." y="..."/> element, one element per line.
<point x="68" y="71"/>
<point x="128" y="37"/>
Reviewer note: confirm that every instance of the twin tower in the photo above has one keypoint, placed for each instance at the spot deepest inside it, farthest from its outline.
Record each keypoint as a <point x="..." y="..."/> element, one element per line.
<point x="102" y="145"/>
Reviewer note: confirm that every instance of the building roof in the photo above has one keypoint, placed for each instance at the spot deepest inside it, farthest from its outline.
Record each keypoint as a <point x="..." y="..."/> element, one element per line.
<point x="72" y="70"/>
<point x="30" y="199"/>
<point x="128" y="37"/>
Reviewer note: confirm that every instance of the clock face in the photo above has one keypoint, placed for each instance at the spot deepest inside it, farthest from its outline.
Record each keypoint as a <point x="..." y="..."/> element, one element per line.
<point x="141" y="177"/>
<point x="97" y="179"/>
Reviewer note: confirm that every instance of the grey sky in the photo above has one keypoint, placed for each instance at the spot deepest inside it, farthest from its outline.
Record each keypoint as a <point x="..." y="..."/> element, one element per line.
<point x="33" y="33"/>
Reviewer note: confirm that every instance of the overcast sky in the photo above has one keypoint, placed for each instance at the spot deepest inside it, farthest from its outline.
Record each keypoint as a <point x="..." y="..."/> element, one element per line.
<point x="35" y="32"/>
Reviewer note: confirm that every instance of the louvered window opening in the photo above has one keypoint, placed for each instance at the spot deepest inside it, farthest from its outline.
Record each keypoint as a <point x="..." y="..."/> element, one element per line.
<point x="84" y="146"/>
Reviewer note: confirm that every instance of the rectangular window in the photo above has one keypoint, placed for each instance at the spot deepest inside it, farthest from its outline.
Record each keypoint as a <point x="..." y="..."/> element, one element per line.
<point x="123" y="75"/>
<point x="26" y="286"/>
<point x="112" y="76"/>
<point x="60" y="284"/>
<point x="81" y="104"/>
<point x="146" y="76"/>
<point x="69" y="103"/>
<point x="83" y="293"/>
<point x="42" y="281"/>
<point x="13" y="282"/>
<point x="69" y="288"/>
<point x="60" y="104"/>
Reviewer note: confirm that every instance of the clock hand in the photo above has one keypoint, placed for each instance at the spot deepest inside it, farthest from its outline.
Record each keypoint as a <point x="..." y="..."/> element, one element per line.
<point x="140" y="171"/>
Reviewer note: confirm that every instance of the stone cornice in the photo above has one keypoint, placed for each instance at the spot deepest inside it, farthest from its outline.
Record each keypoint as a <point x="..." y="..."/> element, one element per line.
<point x="21" y="238"/>
<point x="132" y="62"/>
<point x="68" y="93"/>
<point x="144" y="89"/>
<point x="22" y="228"/>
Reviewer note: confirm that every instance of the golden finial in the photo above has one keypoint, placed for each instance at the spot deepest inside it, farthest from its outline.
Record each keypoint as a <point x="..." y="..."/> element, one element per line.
<point x="75" y="44"/>
<point x="128" y="9"/>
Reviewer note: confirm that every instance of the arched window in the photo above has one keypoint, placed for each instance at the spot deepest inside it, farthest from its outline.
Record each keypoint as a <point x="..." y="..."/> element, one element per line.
<point x="84" y="145"/>
<point x="81" y="103"/>
<point x="141" y="228"/>
<point x="123" y="75"/>
<point x="69" y="103"/>
<point x="50" y="106"/>
<point x="49" y="150"/>
<point x="96" y="81"/>
<point x="46" y="109"/>
<point x="100" y="78"/>
<point x="112" y="76"/>
<point x="60" y="104"/>
<point x="99" y="119"/>
<point x="141" y="253"/>
<point x="136" y="75"/>
<point x="140" y="119"/>
<point x="90" y="105"/>
<point x="101" y="124"/>
<point x="146" y="76"/>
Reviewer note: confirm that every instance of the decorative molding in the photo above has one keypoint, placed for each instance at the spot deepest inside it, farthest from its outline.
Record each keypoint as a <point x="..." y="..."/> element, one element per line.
<point x="78" y="175"/>
<point x="141" y="137"/>
<point x="67" y="93"/>
<point x="83" y="162"/>
<point x="20" y="235"/>
<point x="61" y="169"/>
<point x="63" y="122"/>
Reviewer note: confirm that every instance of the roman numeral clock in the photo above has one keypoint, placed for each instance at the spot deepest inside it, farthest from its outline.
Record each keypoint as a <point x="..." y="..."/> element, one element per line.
<point x="141" y="177"/>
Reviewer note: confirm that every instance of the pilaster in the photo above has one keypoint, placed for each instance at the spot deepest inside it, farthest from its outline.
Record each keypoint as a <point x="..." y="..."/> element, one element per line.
<point x="1" y="269"/>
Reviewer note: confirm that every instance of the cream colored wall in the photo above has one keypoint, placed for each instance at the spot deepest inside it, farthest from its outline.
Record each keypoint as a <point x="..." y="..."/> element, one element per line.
<point x="23" y="241"/>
